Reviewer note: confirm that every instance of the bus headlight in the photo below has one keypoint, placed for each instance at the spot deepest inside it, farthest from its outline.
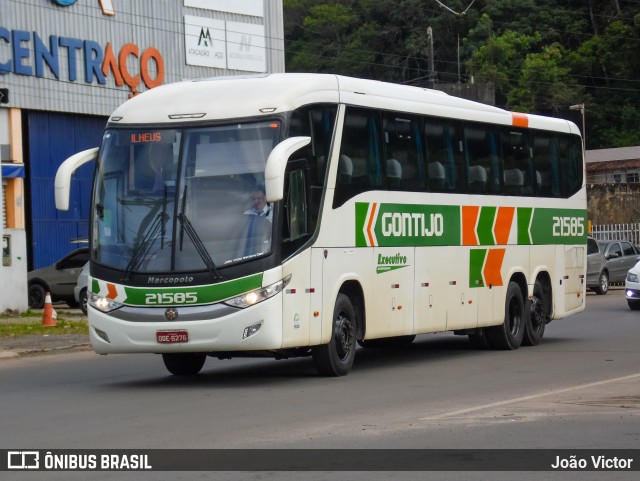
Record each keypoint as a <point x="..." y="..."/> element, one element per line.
<point x="103" y="304"/>
<point x="258" y="295"/>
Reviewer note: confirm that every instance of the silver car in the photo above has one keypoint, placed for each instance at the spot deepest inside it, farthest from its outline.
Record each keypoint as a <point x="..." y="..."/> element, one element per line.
<point x="80" y="291"/>
<point x="621" y="255"/>
<point x="597" y="270"/>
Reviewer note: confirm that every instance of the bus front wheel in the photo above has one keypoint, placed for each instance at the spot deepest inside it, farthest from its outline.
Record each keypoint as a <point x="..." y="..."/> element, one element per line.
<point x="184" y="364"/>
<point x="509" y="334"/>
<point x="336" y="358"/>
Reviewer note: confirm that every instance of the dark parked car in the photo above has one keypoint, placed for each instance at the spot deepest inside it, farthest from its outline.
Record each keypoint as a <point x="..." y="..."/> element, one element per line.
<point x="597" y="271"/>
<point x="59" y="279"/>
<point x="80" y="292"/>
<point x="621" y="256"/>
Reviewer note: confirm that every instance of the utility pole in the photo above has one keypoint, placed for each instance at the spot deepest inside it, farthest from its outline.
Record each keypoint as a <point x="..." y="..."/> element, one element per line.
<point x="459" y="80"/>
<point x="432" y="70"/>
<point x="580" y="107"/>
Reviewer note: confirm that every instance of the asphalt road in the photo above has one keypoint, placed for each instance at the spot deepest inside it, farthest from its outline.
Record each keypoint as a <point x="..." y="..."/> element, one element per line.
<point x="579" y="389"/>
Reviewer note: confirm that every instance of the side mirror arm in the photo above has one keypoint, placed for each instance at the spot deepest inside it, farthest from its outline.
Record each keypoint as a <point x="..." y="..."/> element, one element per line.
<point x="276" y="165"/>
<point x="62" y="183"/>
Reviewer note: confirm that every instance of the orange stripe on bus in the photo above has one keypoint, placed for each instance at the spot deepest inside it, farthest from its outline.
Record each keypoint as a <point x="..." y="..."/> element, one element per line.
<point x="492" y="267"/>
<point x="503" y="224"/>
<point x="469" y="221"/>
<point x="519" y="120"/>
<point x="370" y="223"/>
<point x="112" y="293"/>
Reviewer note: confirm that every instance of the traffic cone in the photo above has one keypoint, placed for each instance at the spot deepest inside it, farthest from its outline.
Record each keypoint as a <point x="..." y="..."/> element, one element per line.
<point x="48" y="314"/>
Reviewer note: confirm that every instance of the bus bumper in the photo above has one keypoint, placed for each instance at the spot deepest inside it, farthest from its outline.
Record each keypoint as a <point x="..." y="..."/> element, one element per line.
<point x="258" y="328"/>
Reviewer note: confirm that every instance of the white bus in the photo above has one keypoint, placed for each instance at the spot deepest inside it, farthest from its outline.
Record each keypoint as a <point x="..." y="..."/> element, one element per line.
<point x="390" y="211"/>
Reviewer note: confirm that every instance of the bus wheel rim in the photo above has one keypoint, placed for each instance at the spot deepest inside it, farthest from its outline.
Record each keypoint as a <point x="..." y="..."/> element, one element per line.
<point x="343" y="336"/>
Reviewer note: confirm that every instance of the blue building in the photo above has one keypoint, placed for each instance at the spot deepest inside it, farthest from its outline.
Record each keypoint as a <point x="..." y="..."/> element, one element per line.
<point x="66" y="65"/>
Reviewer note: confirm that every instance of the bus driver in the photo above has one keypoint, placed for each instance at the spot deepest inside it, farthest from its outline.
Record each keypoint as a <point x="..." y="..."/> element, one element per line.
<point x="259" y="205"/>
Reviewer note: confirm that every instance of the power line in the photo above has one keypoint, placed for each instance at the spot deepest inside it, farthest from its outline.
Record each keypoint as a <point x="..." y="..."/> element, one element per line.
<point x="459" y="14"/>
<point x="406" y="67"/>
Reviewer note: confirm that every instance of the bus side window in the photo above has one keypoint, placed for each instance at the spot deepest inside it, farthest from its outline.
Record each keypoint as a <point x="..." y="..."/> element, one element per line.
<point x="570" y="160"/>
<point x="403" y="153"/>
<point x="317" y="122"/>
<point x="295" y="228"/>
<point x="477" y="150"/>
<point x="446" y="168"/>
<point x="546" y="164"/>
<point x="360" y="165"/>
<point x="519" y="173"/>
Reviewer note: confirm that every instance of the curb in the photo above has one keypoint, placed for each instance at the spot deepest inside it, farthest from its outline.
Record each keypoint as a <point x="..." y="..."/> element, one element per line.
<point x="15" y="353"/>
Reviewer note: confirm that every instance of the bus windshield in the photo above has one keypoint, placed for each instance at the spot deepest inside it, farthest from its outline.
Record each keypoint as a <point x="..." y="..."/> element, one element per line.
<point x="171" y="200"/>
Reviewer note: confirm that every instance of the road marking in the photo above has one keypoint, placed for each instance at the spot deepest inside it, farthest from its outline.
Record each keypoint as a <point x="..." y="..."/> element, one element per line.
<point x="528" y="398"/>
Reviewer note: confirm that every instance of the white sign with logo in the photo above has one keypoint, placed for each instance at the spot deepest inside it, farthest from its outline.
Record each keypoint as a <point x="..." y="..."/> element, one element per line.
<point x="254" y="8"/>
<point x="204" y="42"/>
<point x="246" y="47"/>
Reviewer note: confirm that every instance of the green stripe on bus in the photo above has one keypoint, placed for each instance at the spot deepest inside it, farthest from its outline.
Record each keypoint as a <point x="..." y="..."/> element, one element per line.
<point x="398" y="225"/>
<point x="485" y="226"/>
<point x="559" y="226"/>
<point x="189" y="295"/>
<point x="524" y="219"/>
<point x="208" y="294"/>
<point x="407" y="225"/>
<point x="543" y="226"/>
<point x="361" y="222"/>
<point x="476" y="262"/>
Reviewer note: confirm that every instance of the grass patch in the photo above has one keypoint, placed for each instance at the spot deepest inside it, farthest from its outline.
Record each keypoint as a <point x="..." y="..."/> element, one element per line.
<point x="25" y="329"/>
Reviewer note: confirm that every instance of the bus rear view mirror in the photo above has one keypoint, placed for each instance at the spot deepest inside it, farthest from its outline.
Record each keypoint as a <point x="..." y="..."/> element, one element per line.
<point x="62" y="184"/>
<point x="276" y="164"/>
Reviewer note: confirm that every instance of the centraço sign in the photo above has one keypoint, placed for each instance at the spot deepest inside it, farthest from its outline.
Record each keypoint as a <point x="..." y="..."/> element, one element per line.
<point x="86" y="60"/>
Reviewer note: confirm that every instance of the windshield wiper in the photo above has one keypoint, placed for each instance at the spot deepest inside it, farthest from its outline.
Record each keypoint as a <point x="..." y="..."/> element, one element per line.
<point x="150" y="236"/>
<point x="186" y="226"/>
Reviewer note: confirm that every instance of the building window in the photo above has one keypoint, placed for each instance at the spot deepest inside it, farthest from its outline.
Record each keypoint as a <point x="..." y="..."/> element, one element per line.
<point x="617" y="178"/>
<point x="633" y="177"/>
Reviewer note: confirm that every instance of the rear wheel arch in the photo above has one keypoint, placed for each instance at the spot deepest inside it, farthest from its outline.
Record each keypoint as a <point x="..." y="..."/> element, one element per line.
<point x="520" y="279"/>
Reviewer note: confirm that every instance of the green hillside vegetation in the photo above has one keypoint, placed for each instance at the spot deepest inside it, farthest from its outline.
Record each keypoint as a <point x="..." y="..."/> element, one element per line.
<point x="543" y="56"/>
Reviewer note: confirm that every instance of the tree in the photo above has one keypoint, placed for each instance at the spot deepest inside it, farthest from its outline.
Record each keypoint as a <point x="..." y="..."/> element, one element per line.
<point x="500" y="61"/>
<point x="543" y="55"/>
<point x="545" y="84"/>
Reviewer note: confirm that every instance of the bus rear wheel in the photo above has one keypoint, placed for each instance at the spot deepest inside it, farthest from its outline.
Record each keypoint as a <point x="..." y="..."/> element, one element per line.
<point x="336" y="358"/>
<point x="184" y="364"/>
<point x="537" y="318"/>
<point x="509" y="334"/>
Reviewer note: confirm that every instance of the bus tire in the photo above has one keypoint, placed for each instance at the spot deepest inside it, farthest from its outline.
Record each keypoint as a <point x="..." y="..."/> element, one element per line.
<point x="336" y="358"/>
<point x="537" y="318"/>
<point x="184" y="363"/>
<point x="509" y="334"/>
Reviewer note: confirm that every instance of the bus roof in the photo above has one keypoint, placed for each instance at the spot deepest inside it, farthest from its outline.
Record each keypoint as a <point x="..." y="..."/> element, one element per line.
<point x="234" y="97"/>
